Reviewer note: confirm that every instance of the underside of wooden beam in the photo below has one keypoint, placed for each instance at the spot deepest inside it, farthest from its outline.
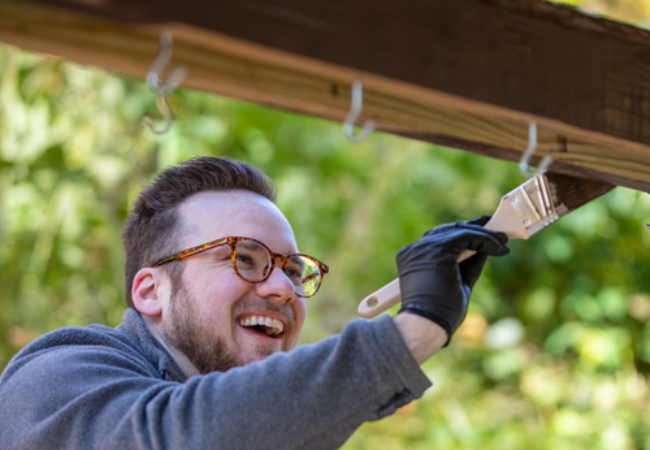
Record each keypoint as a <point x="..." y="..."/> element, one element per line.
<point x="468" y="74"/>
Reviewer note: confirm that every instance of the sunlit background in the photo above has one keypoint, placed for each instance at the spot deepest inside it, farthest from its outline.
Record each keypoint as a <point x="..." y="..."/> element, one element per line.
<point x="554" y="354"/>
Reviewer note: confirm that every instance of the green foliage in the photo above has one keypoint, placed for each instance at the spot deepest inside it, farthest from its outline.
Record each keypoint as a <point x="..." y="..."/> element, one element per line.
<point x="555" y="352"/>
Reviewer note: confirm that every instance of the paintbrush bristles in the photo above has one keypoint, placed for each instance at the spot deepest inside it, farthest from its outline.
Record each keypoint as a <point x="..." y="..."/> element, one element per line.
<point x="574" y="192"/>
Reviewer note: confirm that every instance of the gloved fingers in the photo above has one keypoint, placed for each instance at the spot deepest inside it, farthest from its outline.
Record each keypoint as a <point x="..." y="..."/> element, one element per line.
<point x="470" y="269"/>
<point x="449" y="246"/>
<point x="450" y="227"/>
<point x="470" y="237"/>
<point x="474" y="224"/>
<point x="479" y="220"/>
<point x="441" y="229"/>
<point x="496" y="234"/>
<point x="480" y="240"/>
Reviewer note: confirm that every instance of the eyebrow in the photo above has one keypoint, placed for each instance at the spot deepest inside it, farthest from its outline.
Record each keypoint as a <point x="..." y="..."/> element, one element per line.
<point x="251" y="246"/>
<point x="300" y="263"/>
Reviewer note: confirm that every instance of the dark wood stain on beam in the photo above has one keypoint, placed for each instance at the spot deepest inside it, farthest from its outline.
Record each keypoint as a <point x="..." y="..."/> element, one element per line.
<point x="527" y="55"/>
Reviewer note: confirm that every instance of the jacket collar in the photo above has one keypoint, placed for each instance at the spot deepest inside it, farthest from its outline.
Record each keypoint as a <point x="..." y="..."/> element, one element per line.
<point x="134" y="326"/>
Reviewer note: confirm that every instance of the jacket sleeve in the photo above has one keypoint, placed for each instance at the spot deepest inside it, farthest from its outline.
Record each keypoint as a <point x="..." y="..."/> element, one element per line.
<point x="314" y="397"/>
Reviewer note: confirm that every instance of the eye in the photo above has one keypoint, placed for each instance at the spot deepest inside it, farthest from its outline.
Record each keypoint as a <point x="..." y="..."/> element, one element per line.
<point x="294" y="273"/>
<point x="244" y="259"/>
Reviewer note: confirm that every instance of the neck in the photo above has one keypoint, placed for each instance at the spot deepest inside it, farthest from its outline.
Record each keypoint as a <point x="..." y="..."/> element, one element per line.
<point x="186" y="366"/>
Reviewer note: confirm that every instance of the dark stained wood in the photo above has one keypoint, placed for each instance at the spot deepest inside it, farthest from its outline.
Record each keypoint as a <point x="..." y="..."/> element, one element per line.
<point x="468" y="74"/>
<point x="526" y="55"/>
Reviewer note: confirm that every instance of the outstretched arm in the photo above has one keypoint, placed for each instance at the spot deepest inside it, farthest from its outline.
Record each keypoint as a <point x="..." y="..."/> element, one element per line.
<point x="79" y="389"/>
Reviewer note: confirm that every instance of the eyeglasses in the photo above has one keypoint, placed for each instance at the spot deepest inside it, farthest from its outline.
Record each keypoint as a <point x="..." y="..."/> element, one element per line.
<point x="254" y="262"/>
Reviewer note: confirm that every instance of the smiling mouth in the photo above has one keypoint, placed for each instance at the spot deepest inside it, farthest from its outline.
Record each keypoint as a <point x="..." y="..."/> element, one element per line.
<point x="264" y="326"/>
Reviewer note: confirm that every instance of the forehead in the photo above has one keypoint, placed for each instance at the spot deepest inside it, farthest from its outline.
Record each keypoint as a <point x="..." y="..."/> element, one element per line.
<point x="207" y="216"/>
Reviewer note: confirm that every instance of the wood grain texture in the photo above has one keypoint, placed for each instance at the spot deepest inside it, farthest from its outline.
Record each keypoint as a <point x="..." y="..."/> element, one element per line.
<point x="527" y="55"/>
<point x="425" y="75"/>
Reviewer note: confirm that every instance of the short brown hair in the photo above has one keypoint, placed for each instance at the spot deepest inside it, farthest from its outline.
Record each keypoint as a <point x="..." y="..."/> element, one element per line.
<point x="152" y="229"/>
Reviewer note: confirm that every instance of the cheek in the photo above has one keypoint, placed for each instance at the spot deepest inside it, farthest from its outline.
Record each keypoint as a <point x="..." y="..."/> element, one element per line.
<point x="299" y="310"/>
<point x="217" y="292"/>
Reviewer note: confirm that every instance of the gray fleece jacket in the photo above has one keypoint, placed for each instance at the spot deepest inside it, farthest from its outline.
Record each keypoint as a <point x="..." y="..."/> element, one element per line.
<point x="104" y="388"/>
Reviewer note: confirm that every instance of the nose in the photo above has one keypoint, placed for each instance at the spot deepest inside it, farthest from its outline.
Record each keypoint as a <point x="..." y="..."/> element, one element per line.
<point x="277" y="287"/>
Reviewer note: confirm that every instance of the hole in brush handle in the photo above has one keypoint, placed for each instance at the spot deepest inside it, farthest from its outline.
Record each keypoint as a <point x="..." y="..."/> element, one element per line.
<point x="380" y="300"/>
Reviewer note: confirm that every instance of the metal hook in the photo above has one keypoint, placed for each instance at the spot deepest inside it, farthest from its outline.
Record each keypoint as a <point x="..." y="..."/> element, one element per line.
<point x="353" y="115"/>
<point x="163" y="89"/>
<point x="168" y="116"/>
<point x="525" y="158"/>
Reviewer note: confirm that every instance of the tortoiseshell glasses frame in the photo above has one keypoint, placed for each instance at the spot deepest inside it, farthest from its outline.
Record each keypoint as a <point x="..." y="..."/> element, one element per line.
<point x="233" y="241"/>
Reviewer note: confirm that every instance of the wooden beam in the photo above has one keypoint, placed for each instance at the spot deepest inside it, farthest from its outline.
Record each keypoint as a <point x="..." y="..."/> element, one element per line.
<point x="468" y="74"/>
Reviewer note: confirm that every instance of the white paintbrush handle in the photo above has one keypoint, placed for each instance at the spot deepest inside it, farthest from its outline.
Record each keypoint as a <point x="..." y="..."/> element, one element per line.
<point x="505" y="219"/>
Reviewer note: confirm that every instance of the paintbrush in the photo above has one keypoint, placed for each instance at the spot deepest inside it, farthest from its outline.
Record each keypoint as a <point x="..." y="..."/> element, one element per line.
<point x="523" y="212"/>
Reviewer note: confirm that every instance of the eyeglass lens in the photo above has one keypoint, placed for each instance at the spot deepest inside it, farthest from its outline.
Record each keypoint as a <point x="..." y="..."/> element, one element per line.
<point x="253" y="262"/>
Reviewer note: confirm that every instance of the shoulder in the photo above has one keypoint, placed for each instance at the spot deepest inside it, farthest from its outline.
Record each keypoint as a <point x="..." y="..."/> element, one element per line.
<point x="80" y="379"/>
<point x="70" y="349"/>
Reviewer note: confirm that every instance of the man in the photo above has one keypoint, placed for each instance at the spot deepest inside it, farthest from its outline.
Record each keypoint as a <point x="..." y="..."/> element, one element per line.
<point x="204" y="359"/>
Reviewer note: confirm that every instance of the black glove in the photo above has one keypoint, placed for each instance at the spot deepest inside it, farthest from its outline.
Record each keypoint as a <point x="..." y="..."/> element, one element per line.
<point x="433" y="284"/>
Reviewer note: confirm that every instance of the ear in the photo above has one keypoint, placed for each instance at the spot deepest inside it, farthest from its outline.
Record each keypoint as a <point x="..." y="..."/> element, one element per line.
<point x="150" y="291"/>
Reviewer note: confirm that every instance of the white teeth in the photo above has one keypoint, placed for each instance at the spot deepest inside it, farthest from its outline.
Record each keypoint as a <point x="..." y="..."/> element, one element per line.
<point x="276" y="325"/>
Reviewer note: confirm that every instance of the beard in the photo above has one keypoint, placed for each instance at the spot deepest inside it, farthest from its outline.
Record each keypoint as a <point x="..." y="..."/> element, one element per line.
<point x="206" y="350"/>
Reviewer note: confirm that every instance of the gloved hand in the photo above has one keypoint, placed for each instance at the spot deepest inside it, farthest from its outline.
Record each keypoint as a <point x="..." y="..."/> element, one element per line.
<point x="433" y="284"/>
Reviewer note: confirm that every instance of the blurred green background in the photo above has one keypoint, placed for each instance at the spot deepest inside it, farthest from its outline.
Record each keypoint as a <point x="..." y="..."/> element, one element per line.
<point x="554" y="354"/>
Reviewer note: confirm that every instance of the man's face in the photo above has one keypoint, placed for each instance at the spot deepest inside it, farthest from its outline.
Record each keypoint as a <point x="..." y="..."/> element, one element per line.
<point x="206" y="316"/>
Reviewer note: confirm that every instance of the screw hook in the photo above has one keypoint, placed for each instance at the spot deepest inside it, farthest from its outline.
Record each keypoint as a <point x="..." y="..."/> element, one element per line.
<point x="353" y="115"/>
<point x="528" y="153"/>
<point x="163" y="89"/>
